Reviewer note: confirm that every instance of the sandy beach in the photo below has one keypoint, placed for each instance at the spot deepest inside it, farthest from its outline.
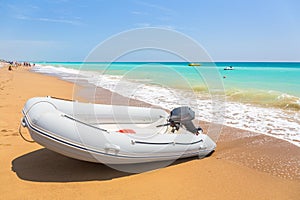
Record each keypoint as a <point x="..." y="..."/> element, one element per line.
<point x="245" y="165"/>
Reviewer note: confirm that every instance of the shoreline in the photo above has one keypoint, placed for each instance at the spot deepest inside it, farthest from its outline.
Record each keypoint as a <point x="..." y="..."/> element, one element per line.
<point x="245" y="165"/>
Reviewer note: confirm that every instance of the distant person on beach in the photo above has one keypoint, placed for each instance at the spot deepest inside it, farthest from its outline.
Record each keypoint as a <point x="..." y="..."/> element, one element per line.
<point x="10" y="68"/>
<point x="27" y="64"/>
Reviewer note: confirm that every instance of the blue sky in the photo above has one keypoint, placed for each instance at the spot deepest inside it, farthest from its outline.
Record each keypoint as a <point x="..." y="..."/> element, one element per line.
<point x="229" y="30"/>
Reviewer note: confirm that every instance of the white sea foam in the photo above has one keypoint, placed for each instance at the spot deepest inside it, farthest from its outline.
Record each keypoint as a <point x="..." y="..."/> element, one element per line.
<point x="274" y="122"/>
<point x="48" y="69"/>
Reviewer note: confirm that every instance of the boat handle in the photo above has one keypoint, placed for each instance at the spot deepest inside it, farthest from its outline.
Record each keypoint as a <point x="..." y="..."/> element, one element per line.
<point x="23" y="122"/>
<point x="112" y="147"/>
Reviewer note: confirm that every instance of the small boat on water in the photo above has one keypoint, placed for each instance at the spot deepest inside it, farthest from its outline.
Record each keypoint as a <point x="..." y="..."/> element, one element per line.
<point x="113" y="134"/>
<point x="194" y="64"/>
<point x="229" y="68"/>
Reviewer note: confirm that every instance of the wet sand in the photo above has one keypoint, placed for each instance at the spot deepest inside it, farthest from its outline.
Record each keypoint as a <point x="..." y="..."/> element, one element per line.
<point x="245" y="165"/>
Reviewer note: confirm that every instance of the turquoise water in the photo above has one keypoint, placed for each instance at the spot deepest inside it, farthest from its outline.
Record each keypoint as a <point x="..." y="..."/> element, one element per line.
<point x="266" y="83"/>
<point x="282" y="77"/>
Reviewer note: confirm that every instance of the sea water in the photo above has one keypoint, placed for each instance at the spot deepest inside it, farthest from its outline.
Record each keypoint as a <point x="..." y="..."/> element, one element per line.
<point x="263" y="97"/>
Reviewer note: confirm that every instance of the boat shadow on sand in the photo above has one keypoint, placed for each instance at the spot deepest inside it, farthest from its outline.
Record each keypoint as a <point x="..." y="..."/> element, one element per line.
<point x="44" y="165"/>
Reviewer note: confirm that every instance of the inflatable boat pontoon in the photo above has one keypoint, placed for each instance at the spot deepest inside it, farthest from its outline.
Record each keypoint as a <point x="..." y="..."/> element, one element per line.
<point x="113" y="134"/>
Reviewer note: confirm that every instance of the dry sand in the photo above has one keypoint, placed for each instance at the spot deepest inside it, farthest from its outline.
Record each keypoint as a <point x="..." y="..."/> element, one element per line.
<point x="245" y="165"/>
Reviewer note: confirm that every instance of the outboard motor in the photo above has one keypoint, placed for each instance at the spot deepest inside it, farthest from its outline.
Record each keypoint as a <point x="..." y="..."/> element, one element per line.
<point x="183" y="116"/>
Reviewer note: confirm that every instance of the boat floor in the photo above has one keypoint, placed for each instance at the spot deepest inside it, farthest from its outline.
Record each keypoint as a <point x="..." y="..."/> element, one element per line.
<point x="141" y="129"/>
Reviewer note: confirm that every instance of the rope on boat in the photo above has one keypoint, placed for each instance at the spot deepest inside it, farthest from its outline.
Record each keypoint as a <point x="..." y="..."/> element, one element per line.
<point x="74" y="119"/>
<point x="79" y="121"/>
<point x="61" y="98"/>
<point x="23" y="123"/>
<point x="165" y="143"/>
<point x="20" y="132"/>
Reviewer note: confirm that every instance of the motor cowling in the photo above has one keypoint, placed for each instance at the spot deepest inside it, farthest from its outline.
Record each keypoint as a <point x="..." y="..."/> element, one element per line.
<point x="183" y="116"/>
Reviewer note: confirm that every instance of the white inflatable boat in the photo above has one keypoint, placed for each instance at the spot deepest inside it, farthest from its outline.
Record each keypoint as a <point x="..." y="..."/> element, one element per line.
<point x="114" y="134"/>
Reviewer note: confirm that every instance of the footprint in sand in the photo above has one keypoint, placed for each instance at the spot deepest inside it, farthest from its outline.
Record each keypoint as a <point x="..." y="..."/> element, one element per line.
<point x="6" y="131"/>
<point x="5" y="144"/>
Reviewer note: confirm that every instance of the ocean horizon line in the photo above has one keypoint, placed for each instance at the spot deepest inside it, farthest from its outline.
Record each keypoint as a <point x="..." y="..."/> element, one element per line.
<point x="226" y="61"/>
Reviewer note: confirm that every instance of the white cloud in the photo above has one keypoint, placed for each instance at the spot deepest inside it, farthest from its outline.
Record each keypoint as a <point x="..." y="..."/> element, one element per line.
<point x="161" y="19"/>
<point x="26" y="12"/>
<point x="65" y="21"/>
<point x="53" y="20"/>
<point x="145" y="25"/>
<point x="156" y="6"/>
<point x="139" y="13"/>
